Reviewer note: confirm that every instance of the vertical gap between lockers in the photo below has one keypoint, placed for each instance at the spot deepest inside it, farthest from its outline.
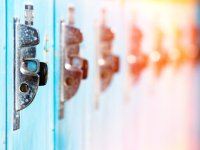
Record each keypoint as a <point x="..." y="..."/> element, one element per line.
<point x="6" y="100"/>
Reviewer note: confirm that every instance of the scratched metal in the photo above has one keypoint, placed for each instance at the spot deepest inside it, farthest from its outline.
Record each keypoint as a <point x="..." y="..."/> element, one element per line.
<point x="137" y="66"/>
<point x="107" y="118"/>
<point x="72" y="69"/>
<point x="25" y="36"/>
<point x="70" y="130"/>
<point x="72" y="35"/>
<point x="70" y="39"/>
<point x="36" y="121"/>
<point x="109" y="64"/>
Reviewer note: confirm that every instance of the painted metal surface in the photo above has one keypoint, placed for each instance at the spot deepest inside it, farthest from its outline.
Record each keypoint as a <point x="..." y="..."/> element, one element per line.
<point x="104" y="115"/>
<point x="121" y="121"/>
<point x="83" y="125"/>
<point x="158" y="114"/>
<point x="2" y="76"/>
<point x="69" y="130"/>
<point x="198" y="70"/>
<point x="37" y="130"/>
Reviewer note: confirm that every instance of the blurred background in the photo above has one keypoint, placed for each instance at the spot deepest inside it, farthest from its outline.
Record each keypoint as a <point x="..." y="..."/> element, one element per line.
<point x="151" y="103"/>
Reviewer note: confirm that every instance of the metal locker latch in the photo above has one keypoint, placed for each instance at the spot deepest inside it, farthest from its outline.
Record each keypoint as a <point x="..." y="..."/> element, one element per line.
<point x="73" y="67"/>
<point x="137" y="60"/>
<point x="177" y="55"/>
<point x="108" y="62"/>
<point x="159" y="57"/>
<point x="29" y="73"/>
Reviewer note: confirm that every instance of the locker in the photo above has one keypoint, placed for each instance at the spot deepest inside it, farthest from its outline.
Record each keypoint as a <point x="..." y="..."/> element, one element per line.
<point x="105" y="110"/>
<point x="3" y="76"/>
<point x="37" y="120"/>
<point x="128" y="115"/>
<point x="157" y="104"/>
<point x="70" y="129"/>
<point x="198" y="70"/>
<point x="83" y="125"/>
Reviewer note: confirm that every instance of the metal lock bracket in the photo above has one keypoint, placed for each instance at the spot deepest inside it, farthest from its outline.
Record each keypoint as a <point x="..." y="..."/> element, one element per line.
<point x="108" y="62"/>
<point x="73" y="68"/>
<point x="137" y="63"/>
<point x="159" y="56"/>
<point x="137" y="60"/>
<point x="29" y="73"/>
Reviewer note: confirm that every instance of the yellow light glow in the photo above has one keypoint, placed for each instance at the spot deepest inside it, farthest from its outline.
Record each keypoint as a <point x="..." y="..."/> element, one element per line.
<point x="175" y="54"/>
<point x="155" y="56"/>
<point x="165" y="1"/>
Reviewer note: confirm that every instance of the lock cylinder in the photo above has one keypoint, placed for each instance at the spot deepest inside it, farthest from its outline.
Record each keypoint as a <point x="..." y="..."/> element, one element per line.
<point x="29" y="72"/>
<point x="73" y="67"/>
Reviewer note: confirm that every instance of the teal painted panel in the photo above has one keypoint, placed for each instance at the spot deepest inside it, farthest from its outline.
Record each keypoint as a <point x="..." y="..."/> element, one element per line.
<point x="37" y="120"/>
<point x="70" y="130"/>
<point x="88" y="26"/>
<point x="2" y="77"/>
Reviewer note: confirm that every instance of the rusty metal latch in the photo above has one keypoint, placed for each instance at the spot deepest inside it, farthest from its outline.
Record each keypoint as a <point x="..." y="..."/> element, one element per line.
<point x="107" y="61"/>
<point x="73" y="67"/>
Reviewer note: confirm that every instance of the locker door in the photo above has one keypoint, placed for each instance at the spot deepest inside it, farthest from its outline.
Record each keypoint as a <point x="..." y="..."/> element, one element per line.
<point x="69" y="130"/>
<point x="90" y="15"/>
<point x="198" y="71"/>
<point x="105" y="107"/>
<point x="161" y="103"/>
<point x="2" y="76"/>
<point x="36" y="122"/>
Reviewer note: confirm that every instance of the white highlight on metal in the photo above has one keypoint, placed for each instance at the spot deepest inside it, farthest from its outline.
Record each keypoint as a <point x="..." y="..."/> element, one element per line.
<point x="101" y="62"/>
<point x="155" y="56"/>
<point x="67" y="66"/>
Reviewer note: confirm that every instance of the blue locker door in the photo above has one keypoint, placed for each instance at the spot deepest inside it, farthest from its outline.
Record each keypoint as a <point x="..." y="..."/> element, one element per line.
<point x="37" y="121"/>
<point x="2" y="77"/>
<point x="90" y="16"/>
<point x="69" y="130"/>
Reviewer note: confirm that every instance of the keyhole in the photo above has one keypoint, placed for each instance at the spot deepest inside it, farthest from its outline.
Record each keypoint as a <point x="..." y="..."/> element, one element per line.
<point x="103" y="75"/>
<point x="69" y="81"/>
<point x="24" y="87"/>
